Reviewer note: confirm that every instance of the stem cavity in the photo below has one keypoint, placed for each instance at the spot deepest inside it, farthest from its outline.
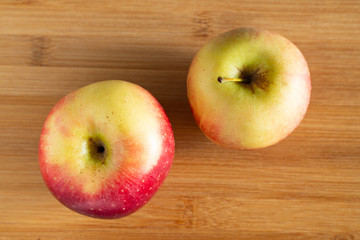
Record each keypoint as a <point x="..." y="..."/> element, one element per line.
<point x="97" y="149"/>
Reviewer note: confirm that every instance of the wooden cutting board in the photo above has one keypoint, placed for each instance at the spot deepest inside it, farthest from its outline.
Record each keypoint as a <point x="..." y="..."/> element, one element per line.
<point x="306" y="187"/>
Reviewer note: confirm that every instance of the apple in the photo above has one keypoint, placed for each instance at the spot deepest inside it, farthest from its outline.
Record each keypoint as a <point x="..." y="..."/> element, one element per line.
<point x="248" y="88"/>
<point x="106" y="148"/>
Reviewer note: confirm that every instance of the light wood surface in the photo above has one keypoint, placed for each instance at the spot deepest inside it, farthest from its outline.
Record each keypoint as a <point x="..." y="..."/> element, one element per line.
<point x="306" y="187"/>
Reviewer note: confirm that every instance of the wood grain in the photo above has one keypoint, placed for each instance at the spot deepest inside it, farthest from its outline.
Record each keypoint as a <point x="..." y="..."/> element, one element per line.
<point x="306" y="187"/>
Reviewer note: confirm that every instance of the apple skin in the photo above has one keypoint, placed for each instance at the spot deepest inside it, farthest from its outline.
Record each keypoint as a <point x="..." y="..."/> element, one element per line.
<point x="134" y="135"/>
<point x="260" y="111"/>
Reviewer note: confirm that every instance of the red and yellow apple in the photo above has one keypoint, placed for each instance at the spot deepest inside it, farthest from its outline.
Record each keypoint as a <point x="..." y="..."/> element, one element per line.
<point x="106" y="148"/>
<point x="248" y="88"/>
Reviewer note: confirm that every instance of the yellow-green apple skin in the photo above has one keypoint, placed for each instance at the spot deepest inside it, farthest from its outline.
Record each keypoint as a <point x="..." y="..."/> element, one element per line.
<point x="263" y="109"/>
<point x="106" y="148"/>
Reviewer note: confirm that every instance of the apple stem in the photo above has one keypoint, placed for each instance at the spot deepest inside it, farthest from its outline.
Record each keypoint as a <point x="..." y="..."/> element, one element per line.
<point x="226" y="79"/>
